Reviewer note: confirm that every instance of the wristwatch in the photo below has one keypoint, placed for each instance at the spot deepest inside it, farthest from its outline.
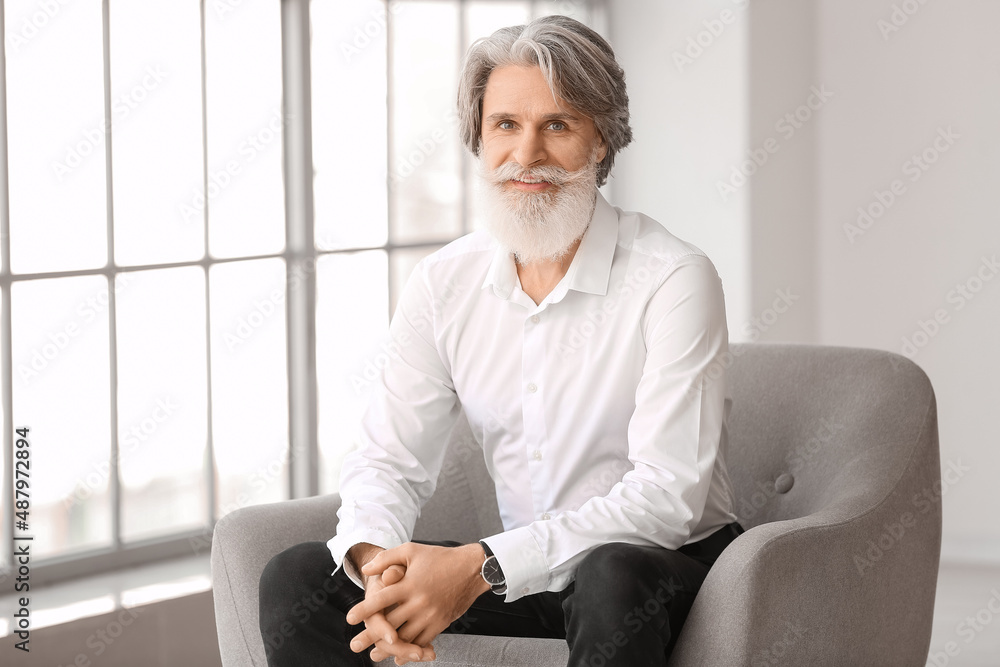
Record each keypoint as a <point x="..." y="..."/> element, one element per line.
<point x="491" y="571"/>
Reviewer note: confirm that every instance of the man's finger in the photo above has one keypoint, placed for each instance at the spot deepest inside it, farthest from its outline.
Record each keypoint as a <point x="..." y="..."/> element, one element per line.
<point x="425" y="638"/>
<point x="370" y="636"/>
<point x="416" y="654"/>
<point x="426" y="653"/>
<point x="392" y="574"/>
<point x="395" y="556"/>
<point x="376" y="602"/>
<point x="376" y="628"/>
<point x="407" y="626"/>
<point x="402" y="652"/>
<point x="406" y="648"/>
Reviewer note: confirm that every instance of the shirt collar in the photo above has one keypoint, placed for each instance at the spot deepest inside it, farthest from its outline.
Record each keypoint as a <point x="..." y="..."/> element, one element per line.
<point x="590" y="270"/>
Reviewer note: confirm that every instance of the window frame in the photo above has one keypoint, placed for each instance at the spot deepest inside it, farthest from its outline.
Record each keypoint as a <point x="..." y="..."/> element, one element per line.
<point x="300" y="256"/>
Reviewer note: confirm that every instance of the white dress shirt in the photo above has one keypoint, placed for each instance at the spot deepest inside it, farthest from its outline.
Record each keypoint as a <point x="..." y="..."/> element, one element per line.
<point x="601" y="411"/>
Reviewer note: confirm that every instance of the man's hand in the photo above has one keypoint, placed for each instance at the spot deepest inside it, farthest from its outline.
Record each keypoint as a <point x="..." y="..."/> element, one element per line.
<point x="438" y="586"/>
<point x="376" y="625"/>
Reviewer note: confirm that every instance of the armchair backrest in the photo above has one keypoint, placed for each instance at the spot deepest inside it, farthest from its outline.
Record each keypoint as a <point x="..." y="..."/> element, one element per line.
<point x="812" y="428"/>
<point x="824" y="428"/>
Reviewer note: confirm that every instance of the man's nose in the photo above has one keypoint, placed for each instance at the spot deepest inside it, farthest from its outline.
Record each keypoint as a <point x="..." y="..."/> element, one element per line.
<point x="530" y="150"/>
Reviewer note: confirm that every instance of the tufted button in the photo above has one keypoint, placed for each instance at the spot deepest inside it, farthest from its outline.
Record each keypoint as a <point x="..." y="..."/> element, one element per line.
<point x="783" y="483"/>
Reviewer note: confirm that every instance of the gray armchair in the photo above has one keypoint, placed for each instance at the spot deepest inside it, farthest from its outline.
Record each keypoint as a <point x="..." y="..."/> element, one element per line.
<point x="834" y="461"/>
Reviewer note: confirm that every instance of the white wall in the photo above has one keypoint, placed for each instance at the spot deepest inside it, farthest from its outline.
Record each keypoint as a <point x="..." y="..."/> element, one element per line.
<point x="940" y="70"/>
<point x="786" y="104"/>
<point x="689" y="125"/>
<point x="892" y="93"/>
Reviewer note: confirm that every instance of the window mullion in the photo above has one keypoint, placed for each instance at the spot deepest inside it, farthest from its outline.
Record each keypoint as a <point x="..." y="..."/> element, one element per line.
<point x="7" y="484"/>
<point x="114" y="477"/>
<point x="465" y="163"/>
<point x="210" y="475"/>
<point x="389" y="147"/>
<point x="300" y="288"/>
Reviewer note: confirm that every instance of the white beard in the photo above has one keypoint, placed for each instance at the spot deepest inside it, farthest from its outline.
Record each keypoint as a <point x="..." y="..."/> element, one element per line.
<point x="538" y="226"/>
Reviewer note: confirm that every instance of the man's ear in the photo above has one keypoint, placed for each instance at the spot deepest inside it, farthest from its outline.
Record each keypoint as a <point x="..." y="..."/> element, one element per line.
<point x="602" y="149"/>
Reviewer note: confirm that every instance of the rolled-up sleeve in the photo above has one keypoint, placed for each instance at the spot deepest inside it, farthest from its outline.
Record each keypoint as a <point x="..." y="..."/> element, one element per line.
<point x="674" y="438"/>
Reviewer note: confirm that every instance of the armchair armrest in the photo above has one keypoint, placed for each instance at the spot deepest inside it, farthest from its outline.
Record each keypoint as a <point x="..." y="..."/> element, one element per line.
<point x="837" y="587"/>
<point x="244" y="542"/>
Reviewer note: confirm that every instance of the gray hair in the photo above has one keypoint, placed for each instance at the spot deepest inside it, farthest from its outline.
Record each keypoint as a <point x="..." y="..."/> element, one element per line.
<point x="578" y="64"/>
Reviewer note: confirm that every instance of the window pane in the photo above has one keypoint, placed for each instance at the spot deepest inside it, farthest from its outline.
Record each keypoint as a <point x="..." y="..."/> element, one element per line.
<point x="157" y="144"/>
<point x="246" y="211"/>
<point x="571" y="8"/>
<point x="349" y="122"/>
<point x="55" y="136"/>
<point x="403" y="262"/>
<point x="352" y="324"/>
<point x="162" y="402"/>
<point x="425" y="175"/>
<point x="62" y="393"/>
<point x="485" y="17"/>
<point x="249" y="383"/>
<point x="482" y="19"/>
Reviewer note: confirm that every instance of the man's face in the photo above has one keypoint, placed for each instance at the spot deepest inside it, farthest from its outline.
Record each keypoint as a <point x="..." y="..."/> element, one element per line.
<point x="522" y="123"/>
<point x="538" y="164"/>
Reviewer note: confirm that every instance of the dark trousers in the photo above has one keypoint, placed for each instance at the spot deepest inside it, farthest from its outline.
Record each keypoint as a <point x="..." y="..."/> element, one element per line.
<point x="625" y="607"/>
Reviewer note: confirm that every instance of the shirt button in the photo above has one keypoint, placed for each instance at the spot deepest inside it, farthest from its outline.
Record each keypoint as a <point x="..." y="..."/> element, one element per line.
<point x="546" y="516"/>
<point x="532" y="388"/>
<point x="537" y="455"/>
<point x="534" y="319"/>
<point x="525" y="590"/>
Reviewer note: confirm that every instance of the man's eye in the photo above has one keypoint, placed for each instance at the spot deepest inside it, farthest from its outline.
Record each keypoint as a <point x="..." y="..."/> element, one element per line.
<point x="505" y="125"/>
<point x="557" y="126"/>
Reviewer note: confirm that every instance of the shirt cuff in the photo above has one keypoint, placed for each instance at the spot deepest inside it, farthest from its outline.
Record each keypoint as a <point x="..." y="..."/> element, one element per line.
<point x="341" y="544"/>
<point x="522" y="562"/>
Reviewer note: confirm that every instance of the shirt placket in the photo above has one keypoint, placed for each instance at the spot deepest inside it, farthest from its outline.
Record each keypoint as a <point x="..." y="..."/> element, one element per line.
<point x="533" y="391"/>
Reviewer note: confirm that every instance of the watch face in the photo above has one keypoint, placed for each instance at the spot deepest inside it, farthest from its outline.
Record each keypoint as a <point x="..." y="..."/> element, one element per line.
<point x="492" y="573"/>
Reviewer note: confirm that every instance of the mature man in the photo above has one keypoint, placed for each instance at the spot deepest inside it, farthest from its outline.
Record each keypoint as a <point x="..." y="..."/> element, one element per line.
<point x="578" y="339"/>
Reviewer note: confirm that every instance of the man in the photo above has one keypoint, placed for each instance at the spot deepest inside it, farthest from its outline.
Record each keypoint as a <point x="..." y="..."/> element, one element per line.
<point x="578" y="339"/>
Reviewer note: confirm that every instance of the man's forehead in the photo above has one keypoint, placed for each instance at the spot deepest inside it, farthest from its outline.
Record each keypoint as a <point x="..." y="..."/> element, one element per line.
<point x="514" y="89"/>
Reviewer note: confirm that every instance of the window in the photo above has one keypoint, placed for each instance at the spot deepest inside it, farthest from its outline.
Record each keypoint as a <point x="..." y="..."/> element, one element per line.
<point x="189" y="321"/>
<point x="392" y="181"/>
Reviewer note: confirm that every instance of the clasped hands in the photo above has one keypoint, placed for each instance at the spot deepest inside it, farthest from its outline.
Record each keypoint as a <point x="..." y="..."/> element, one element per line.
<point x="413" y="593"/>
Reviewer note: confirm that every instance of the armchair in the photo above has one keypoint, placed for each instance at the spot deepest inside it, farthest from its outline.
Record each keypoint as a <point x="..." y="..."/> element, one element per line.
<point x="833" y="455"/>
